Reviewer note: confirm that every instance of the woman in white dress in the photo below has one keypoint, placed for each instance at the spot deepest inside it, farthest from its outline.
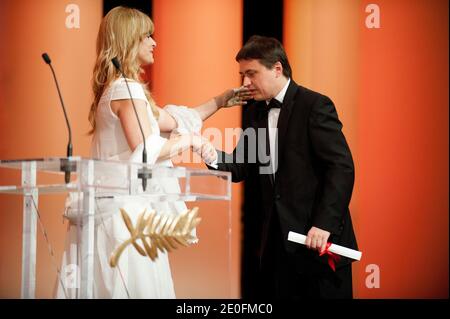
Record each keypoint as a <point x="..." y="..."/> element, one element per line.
<point x="126" y="34"/>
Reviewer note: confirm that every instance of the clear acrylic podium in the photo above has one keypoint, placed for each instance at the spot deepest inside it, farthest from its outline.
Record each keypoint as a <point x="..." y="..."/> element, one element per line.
<point x="92" y="179"/>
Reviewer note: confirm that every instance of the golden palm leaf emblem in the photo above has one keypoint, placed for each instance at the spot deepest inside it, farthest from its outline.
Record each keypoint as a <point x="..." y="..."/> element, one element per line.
<point x="157" y="232"/>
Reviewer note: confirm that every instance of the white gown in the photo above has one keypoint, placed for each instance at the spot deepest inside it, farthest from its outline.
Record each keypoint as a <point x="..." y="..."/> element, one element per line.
<point x="136" y="276"/>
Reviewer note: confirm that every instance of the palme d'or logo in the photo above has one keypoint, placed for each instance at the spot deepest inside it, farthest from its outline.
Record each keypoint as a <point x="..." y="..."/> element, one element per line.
<point x="161" y="232"/>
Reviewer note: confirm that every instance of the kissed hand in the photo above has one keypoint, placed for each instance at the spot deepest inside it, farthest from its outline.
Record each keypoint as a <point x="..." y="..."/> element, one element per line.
<point x="233" y="97"/>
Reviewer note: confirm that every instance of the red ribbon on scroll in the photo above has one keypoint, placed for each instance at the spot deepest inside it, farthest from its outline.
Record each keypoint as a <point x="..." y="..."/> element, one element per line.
<point x="332" y="258"/>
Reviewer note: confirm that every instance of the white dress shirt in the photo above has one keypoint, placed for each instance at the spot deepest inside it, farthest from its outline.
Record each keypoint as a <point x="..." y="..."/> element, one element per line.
<point x="274" y="113"/>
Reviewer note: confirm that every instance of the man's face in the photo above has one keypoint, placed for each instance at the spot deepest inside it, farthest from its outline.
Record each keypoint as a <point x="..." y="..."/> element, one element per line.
<point x="258" y="79"/>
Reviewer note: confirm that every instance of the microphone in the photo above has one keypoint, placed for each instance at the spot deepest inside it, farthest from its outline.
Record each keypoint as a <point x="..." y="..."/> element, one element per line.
<point x="143" y="173"/>
<point x="66" y="166"/>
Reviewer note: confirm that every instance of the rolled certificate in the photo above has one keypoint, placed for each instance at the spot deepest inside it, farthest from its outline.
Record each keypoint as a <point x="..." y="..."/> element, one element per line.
<point x="336" y="249"/>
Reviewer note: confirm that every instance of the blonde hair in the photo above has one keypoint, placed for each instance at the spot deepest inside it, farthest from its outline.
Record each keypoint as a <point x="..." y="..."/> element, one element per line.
<point x="120" y="34"/>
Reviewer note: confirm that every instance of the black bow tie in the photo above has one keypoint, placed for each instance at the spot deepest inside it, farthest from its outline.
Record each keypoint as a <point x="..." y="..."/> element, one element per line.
<point x="274" y="103"/>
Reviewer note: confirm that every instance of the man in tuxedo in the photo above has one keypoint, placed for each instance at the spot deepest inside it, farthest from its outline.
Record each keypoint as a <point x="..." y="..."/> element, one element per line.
<point x="305" y="173"/>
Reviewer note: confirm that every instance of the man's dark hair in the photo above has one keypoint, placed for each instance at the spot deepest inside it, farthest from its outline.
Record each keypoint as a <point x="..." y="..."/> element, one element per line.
<point x="267" y="50"/>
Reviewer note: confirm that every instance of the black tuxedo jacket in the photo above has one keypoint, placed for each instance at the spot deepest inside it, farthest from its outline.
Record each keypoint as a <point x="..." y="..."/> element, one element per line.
<point x="314" y="178"/>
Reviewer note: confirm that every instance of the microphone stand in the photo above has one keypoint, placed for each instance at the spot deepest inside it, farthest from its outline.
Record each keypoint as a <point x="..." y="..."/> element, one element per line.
<point x="66" y="165"/>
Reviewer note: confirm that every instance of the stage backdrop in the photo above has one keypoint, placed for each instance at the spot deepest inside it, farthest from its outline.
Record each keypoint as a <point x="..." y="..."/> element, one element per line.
<point x="32" y="124"/>
<point x="390" y="87"/>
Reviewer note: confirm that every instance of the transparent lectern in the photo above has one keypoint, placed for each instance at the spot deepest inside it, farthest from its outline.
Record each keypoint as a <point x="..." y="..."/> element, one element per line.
<point x="202" y="270"/>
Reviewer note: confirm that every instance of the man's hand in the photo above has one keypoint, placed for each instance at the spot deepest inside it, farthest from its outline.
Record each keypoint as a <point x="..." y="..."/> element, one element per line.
<point x="317" y="239"/>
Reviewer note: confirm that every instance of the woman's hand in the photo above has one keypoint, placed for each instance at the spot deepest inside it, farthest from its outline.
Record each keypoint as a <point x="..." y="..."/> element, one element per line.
<point x="233" y="97"/>
<point x="208" y="153"/>
<point x="204" y="148"/>
<point x="226" y="99"/>
<point x="196" y="142"/>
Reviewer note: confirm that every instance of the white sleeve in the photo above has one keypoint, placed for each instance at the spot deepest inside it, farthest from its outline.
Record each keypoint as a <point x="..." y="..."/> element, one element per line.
<point x="154" y="144"/>
<point x="188" y="120"/>
<point x="120" y="90"/>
